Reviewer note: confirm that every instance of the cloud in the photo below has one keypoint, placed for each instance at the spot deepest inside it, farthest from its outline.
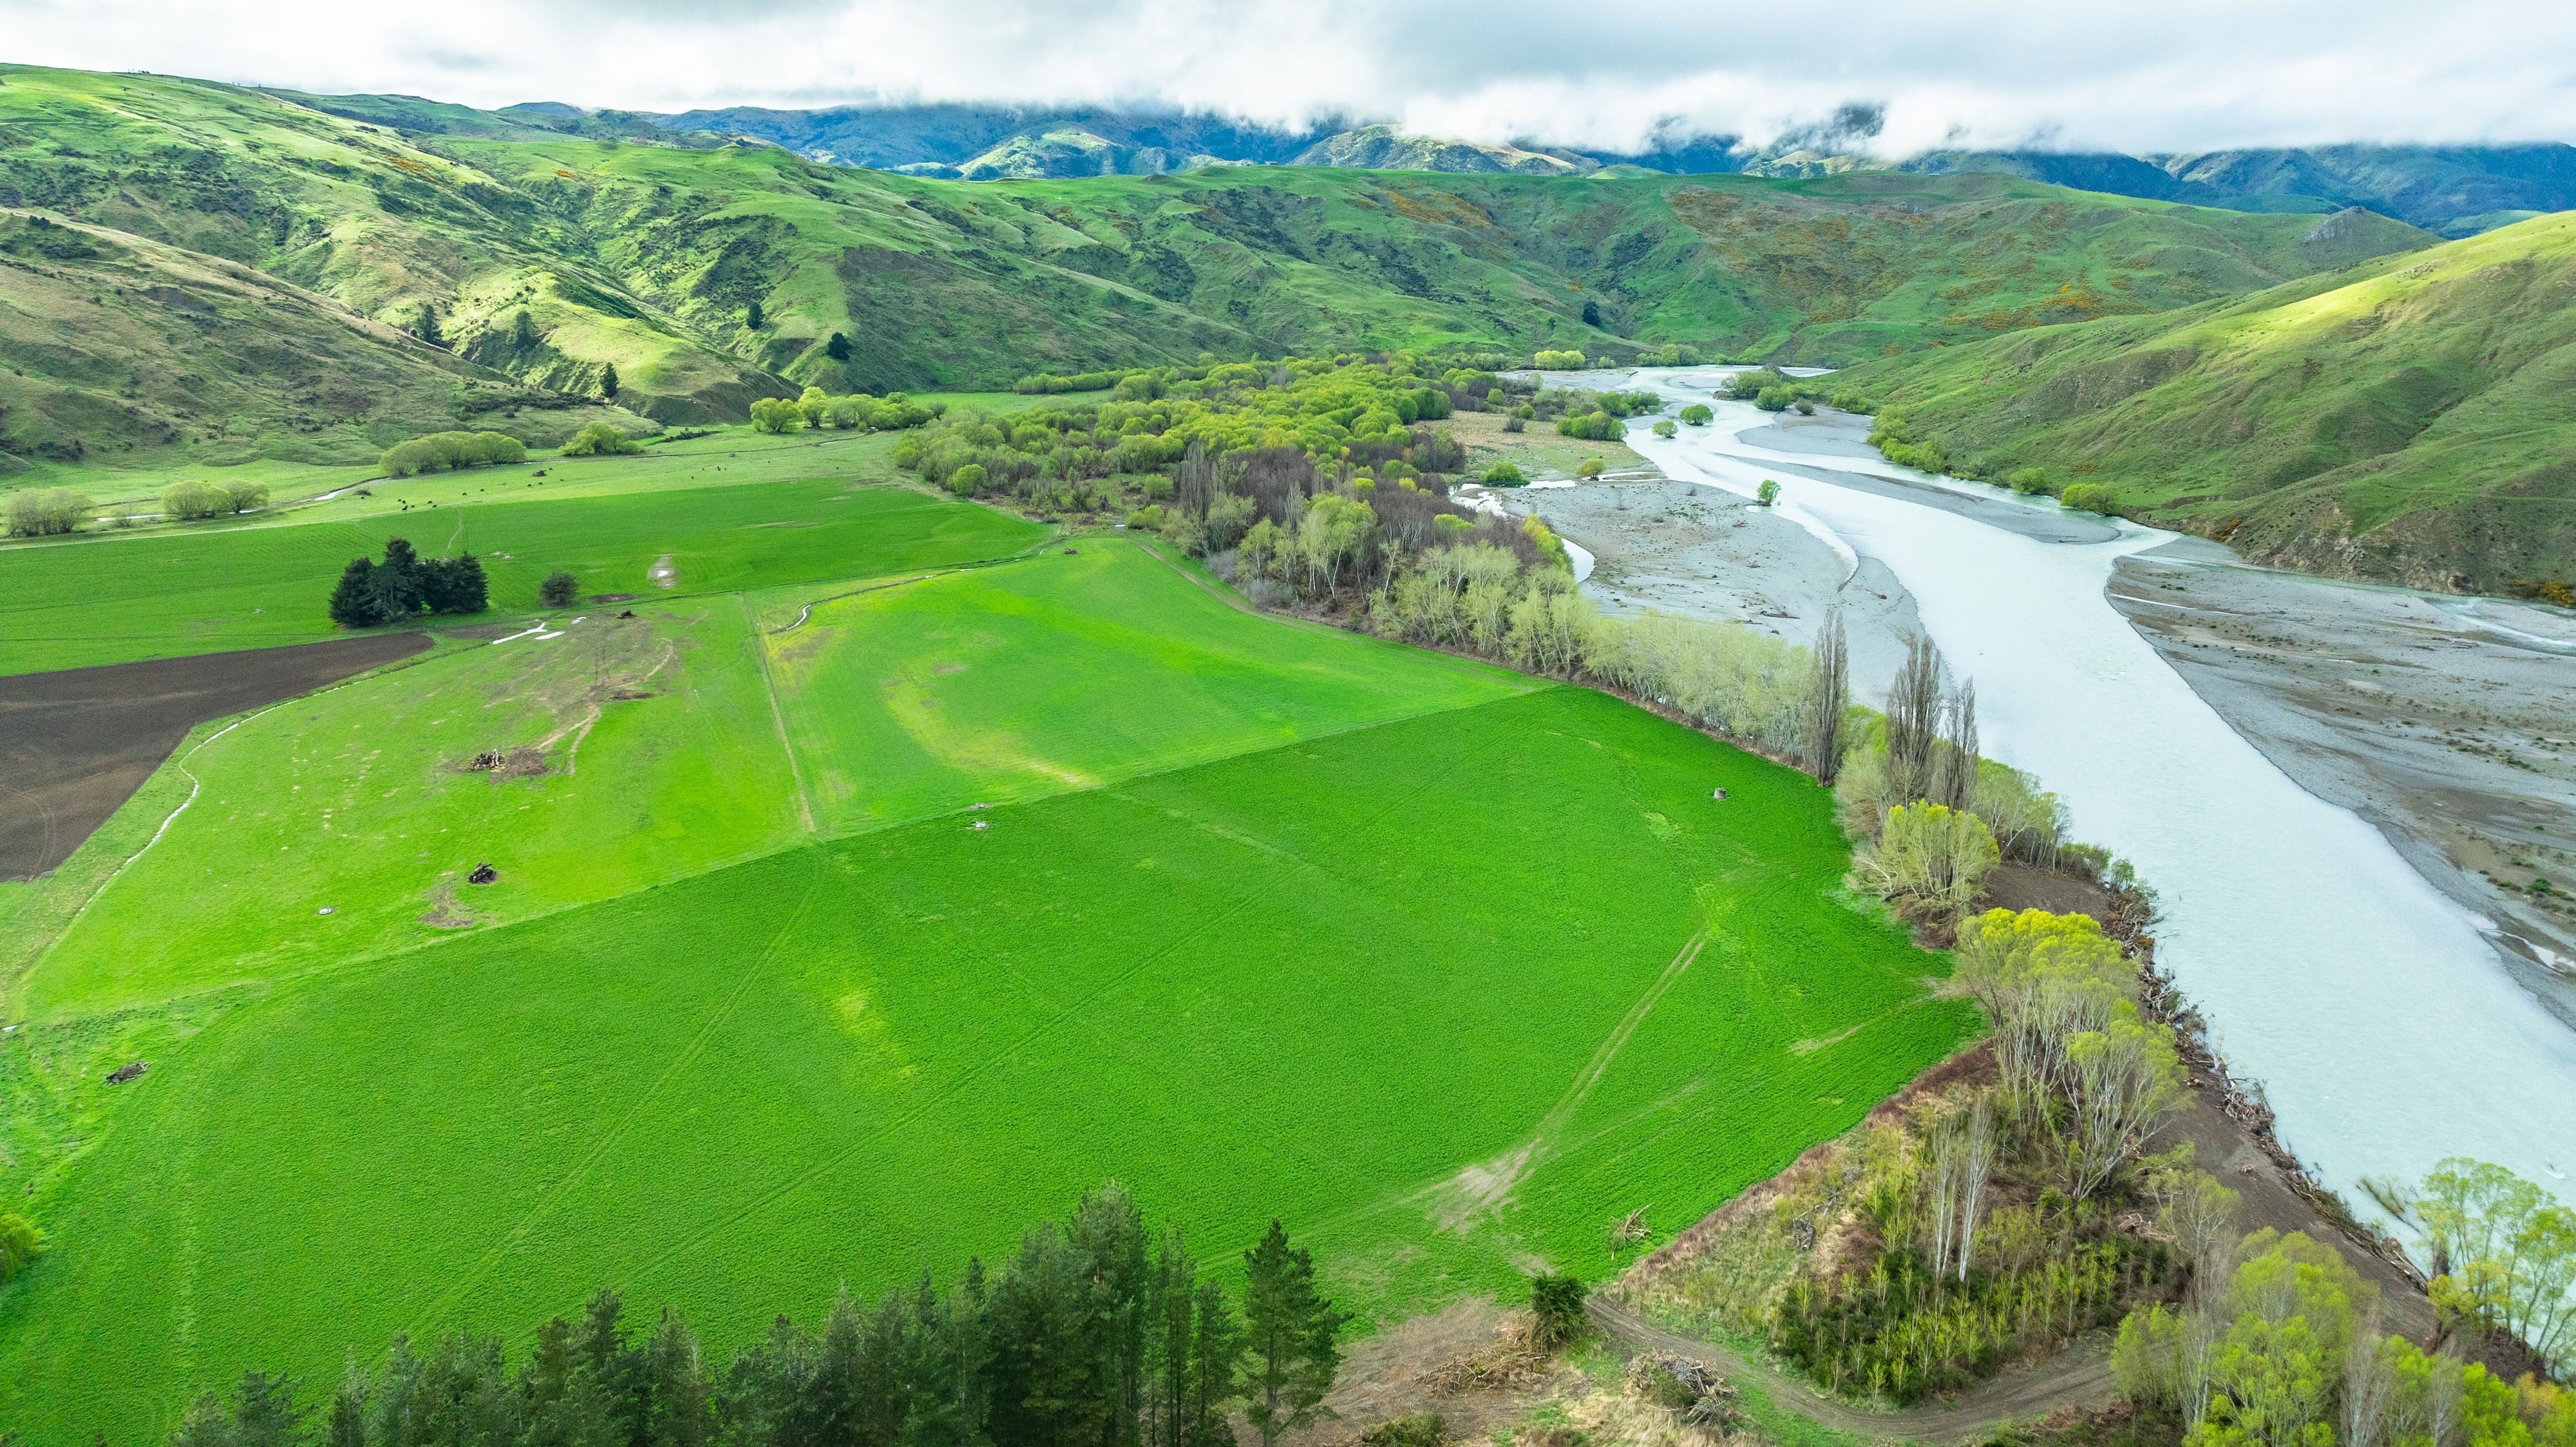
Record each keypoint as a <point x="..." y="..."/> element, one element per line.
<point x="2175" y="75"/>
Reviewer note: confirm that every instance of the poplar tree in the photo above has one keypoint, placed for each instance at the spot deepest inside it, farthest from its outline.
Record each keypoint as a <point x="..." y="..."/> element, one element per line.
<point x="1827" y="696"/>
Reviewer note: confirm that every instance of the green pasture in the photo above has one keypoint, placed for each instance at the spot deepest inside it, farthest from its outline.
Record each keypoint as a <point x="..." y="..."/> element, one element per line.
<point x="1320" y="982"/>
<point x="358" y="800"/>
<point x="1066" y="671"/>
<point x="1053" y="673"/>
<point x="114" y="600"/>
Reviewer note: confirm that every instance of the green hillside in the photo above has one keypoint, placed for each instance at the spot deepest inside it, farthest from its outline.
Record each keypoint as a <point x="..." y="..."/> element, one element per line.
<point x="649" y="259"/>
<point x="2405" y="420"/>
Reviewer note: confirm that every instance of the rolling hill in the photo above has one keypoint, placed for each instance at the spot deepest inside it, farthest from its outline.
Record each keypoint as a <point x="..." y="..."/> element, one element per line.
<point x="652" y="258"/>
<point x="2404" y="420"/>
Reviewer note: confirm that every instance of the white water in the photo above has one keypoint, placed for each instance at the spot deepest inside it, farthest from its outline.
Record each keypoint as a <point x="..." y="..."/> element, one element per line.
<point x="2386" y="1031"/>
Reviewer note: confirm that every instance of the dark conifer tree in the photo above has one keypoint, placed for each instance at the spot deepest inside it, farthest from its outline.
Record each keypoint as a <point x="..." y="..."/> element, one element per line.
<point x="838" y="348"/>
<point x="1294" y="1338"/>
<point x="608" y="381"/>
<point x="353" y="601"/>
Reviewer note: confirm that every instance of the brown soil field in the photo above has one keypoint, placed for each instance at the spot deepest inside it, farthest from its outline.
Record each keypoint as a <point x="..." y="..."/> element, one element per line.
<point x="76" y="743"/>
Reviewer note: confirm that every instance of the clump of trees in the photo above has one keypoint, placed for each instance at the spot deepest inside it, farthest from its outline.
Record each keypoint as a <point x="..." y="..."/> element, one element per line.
<point x="1095" y="1330"/>
<point x="600" y="439"/>
<point x="451" y="450"/>
<point x="858" y="411"/>
<point x="191" y="501"/>
<point x="39" y="512"/>
<point x="1894" y="437"/>
<point x="1558" y="361"/>
<point x="2089" y="497"/>
<point x="406" y="585"/>
<point x="2278" y="1339"/>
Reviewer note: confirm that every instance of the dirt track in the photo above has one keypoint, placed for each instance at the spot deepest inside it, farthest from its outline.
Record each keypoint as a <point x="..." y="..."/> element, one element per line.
<point x="76" y="743"/>
<point x="2079" y="1376"/>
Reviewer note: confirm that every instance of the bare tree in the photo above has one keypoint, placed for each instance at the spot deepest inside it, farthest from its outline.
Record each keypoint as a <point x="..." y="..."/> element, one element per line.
<point x="1827" y="696"/>
<point x="1913" y="720"/>
<point x="1979" y="1142"/>
<point x="2368" y="1385"/>
<point x="2200" y="1215"/>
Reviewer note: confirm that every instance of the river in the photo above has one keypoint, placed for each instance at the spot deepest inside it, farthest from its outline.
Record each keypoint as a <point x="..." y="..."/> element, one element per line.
<point x="2378" y="1017"/>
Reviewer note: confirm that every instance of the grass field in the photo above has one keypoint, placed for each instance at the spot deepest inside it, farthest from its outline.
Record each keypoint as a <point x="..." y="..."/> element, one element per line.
<point x="1054" y="673"/>
<point x="1327" y="981"/>
<point x="988" y="686"/>
<point x="116" y="599"/>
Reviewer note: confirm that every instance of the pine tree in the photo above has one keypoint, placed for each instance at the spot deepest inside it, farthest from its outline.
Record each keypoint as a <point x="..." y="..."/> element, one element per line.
<point x="838" y="348"/>
<point x="1216" y="1369"/>
<point x="608" y="381"/>
<point x="396" y="582"/>
<point x="353" y="601"/>
<point x="1293" y="1338"/>
<point x="751" y="316"/>
<point x="523" y="330"/>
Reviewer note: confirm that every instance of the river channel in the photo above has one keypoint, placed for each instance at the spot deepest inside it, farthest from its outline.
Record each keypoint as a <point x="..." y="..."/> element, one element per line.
<point x="2373" y="1009"/>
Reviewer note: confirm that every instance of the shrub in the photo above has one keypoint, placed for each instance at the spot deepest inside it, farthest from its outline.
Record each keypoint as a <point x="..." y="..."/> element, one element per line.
<point x="246" y="496"/>
<point x="601" y="440"/>
<point x="1697" y="414"/>
<point x="1514" y="424"/>
<point x="777" y="414"/>
<point x="1774" y="399"/>
<point x="557" y="590"/>
<point x="1929" y="861"/>
<point x="1768" y="493"/>
<point x="1503" y="474"/>
<point x="193" y="500"/>
<point x="1806" y="408"/>
<point x="45" y="511"/>
<point x="1556" y="1303"/>
<point x="2027" y="479"/>
<point x="1422" y="1429"/>
<point x="1667" y="428"/>
<point x="1558" y="361"/>
<point x="1849" y="402"/>
<point x="2090" y="497"/>
<point x="1590" y="467"/>
<point x="965" y="480"/>
<point x="20" y="1244"/>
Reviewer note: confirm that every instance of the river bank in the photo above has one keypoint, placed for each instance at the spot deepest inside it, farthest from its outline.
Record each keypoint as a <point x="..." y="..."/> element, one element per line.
<point x="2334" y="971"/>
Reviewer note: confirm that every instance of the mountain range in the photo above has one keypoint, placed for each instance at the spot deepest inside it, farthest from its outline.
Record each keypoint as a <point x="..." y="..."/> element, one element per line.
<point x="2449" y="190"/>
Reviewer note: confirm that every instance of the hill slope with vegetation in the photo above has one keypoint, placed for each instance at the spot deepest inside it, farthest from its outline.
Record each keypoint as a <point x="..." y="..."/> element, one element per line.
<point x="684" y="284"/>
<point x="2402" y="421"/>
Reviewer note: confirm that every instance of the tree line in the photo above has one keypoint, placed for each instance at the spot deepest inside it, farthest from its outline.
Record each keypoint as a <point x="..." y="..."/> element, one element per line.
<point x="818" y="409"/>
<point x="2278" y="1339"/>
<point x="405" y="585"/>
<point x="1095" y="1332"/>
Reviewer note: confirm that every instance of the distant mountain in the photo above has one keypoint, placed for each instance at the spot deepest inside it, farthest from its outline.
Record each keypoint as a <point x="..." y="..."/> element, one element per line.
<point x="2452" y="191"/>
<point x="2401" y="421"/>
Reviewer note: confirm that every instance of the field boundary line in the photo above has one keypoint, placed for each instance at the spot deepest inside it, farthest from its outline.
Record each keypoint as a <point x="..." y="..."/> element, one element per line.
<point x="777" y="716"/>
<point x="808" y="610"/>
<point x="609" y="1138"/>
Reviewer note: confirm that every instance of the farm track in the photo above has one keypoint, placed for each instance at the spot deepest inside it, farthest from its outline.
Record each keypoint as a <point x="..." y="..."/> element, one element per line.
<point x="2078" y="1376"/>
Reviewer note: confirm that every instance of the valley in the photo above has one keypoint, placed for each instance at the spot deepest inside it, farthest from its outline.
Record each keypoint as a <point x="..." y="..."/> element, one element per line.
<point x="1858" y="779"/>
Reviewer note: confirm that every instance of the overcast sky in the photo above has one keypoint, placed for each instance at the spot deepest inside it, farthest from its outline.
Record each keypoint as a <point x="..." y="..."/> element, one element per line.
<point x="2179" y="75"/>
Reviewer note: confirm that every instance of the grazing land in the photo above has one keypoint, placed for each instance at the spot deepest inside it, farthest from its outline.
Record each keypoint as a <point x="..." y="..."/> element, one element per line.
<point x="79" y="743"/>
<point x="1455" y="991"/>
<point x="117" y="599"/>
<point x="987" y="686"/>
